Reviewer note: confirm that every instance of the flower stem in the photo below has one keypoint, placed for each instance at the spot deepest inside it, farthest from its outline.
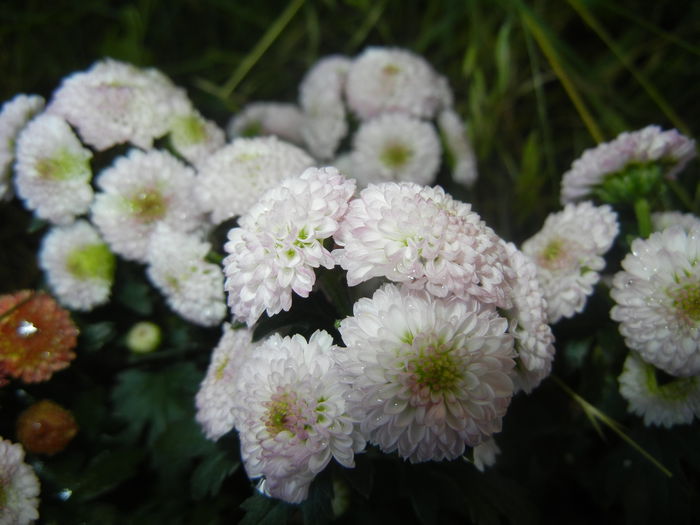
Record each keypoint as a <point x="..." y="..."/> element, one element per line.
<point x="643" y="213"/>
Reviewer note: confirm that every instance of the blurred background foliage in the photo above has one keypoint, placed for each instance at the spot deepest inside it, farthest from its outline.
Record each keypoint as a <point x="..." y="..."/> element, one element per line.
<point x="538" y="82"/>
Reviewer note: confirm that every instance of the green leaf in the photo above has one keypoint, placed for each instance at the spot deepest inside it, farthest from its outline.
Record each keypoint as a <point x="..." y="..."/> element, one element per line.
<point x="261" y="510"/>
<point x="151" y="400"/>
<point x="575" y="352"/>
<point x="211" y="472"/>
<point x="135" y="295"/>
<point x="361" y="477"/>
<point x="106" y="471"/>
<point x="95" y="336"/>
<point x="317" y="508"/>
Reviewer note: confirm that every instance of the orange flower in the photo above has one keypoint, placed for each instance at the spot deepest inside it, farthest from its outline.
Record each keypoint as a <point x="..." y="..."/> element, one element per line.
<point x="46" y="428"/>
<point x="37" y="336"/>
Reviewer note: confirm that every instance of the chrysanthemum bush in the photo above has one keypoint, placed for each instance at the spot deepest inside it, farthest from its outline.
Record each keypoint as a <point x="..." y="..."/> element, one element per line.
<point x="275" y="321"/>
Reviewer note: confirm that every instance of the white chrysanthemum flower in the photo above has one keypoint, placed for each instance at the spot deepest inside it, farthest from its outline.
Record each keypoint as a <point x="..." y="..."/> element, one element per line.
<point x="648" y="145"/>
<point x="14" y="115"/>
<point x="140" y="191"/>
<point x="53" y="170"/>
<point x="674" y="403"/>
<point x="485" y="454"/>
<point x="216" y="399"/>
<point x="280" y="241"/>
<point x="568" y="253"/>
<point x="658" y="300"/>
<point x="664" y="219"/>
<point x="420" y="236"/>
<point x="234" y="177"/>
<point x="78" y="264"/>
<point x="395" y="147"/>
<point x="19" y="486"/>
<point x="458" y="146"/>
<point x="194" y="137"/>
<point x="268" y="118"/>
<point x="428" y="376"/>
<point x="534" y="341"/>
<point x="321" y="100"/>
<point x="292" y="414"/>
<point x="383" y="80"/>
<point x="114" y="102"/>
<point x="193" y="287"/>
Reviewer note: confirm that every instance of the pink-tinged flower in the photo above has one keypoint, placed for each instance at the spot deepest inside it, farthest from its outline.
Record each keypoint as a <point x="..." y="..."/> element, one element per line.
<point x="395" y="147"/>
<point x="14" y="115"/>
<point x="216" y="399"/>
<point x="321" y="99"/>
<point x="420" y="236"/>
<point x="19" y="486"/>
<point x="78" y="265"/>
<point x="657" y="296"/>
<point x="37" y="336"/>
<point x="53" y="170"/>
<point x="429" y="376"/>
<point x="672" y="403"/>
<point x="234" y="177"/>
<point x="140" y="191"/>
<point x="383" y="80"/>
<point x="458" y="146"/>
<point x="568" y="252"/>
<point x="114" y="102"/>
<point x="268" y="118"/>
<point x="280" y="241"/>
<point x="292" y="415"/>
<point x="193" y="287"/>
<point x="669" y="149"/>
<point x="485" y="454"/>
<point x="534" y="341"/>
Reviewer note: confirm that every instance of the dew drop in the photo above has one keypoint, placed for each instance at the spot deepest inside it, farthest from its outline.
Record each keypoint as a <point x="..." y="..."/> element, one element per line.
<point x="26" y="329"/>
<point x="65" y="494"/>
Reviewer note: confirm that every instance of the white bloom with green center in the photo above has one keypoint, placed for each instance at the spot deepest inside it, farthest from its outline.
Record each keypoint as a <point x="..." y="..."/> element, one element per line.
<point x="280" y="241"/>
<point x="458" y="146"/>
<point x="235" y="176"/>
<point x="53" y="170"/>
<point x="78" y="264"/>
<point x="650" y="146"/>
<point x="292" y="415"/>
<point x="193" y="137"/>
<point x="657" y="298"/>
<point x="216" y="398"/>
<point x="568" y="252"/>
<point x="14" y="115"/>
<point x="177" y="266"/>
<point x="114" y="103"/>
<point x="139" y="191"/>
<point x="675" y="402"/>
<point x="429" y="376"/>
<point x="383" y="80"/>
<point x="19" y="486"/>
<point x="267" y="118"/>
<point x="395" y="148"/>
<point x="423" y="238"/>
<point x="321" y="100"/>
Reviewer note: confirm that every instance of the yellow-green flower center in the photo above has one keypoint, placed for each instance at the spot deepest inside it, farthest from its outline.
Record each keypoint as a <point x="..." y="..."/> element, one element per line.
<point x="286" y="413"/>
<point x="676" y="389"/>
<point x="64" y="165"/>
<point x="686" y="301"/>
<point x="93" y="261"/>
<point x="436" y="369"/>
<point x="148" y="206"/>
<point x="396" y="155"/>
<point x="189" y="129"/>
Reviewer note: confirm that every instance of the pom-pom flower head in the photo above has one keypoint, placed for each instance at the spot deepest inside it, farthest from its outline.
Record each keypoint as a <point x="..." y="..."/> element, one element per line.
<point x="428" y="376"/>
<point x="78" y="265"/>
<point x="37" y="336"/>
<point x="657" y="298"/>
<point x="281" y="240"/>
<point x="674" y="403"/>
<point x="46" y="428"/>
<point x="14" y="115"/>
<point x="633" y="163"/>
<point x="568" y="253"/>
<point x="140" y="191"/>
<point x="420" y="236"/>
<point x="291" y="414"/>
<point x="267" y="118"/>
<point x="53" y="170"/>
<point x="19" y="486"/>
<point x="194" y="137"/>
<point x="458" y="147"/>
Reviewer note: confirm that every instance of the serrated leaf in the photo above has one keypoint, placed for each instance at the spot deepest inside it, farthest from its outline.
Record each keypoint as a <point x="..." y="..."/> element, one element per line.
<point x="175" y="447"/>
<point x="361" y="478"/>
<point x="135" y="295"/>
<point x="211" y="472"/>
<point x="317" y="508"/>
<point x="261" y="510"/>
<point x="151" y="400"/>
<point x="95" y="336"/>
<point x="106" y="471"/>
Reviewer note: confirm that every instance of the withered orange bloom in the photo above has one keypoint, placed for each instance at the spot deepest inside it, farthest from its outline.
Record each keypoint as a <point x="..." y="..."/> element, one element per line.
<point x="46" y="428"/>
<point x="37" y="336"/>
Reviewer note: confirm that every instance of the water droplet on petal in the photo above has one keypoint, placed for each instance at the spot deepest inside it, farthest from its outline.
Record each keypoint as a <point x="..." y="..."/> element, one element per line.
<point x="26" y="329"/>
